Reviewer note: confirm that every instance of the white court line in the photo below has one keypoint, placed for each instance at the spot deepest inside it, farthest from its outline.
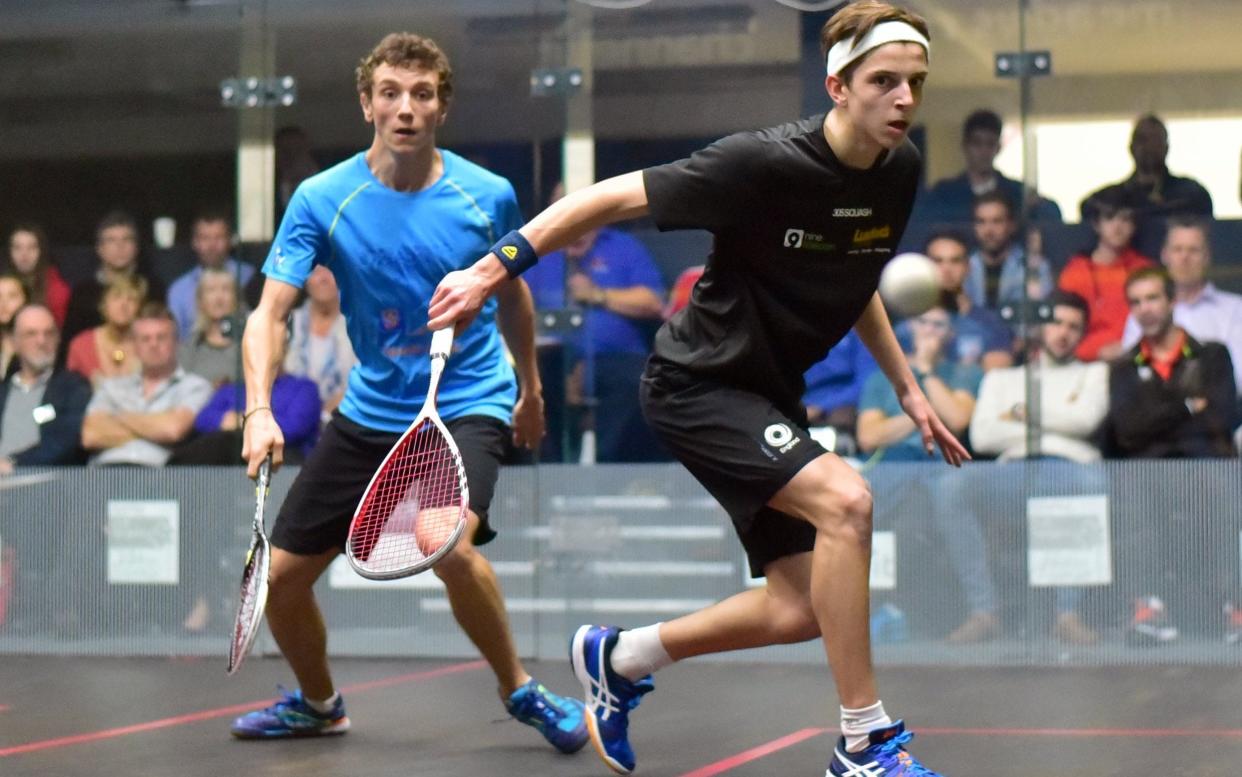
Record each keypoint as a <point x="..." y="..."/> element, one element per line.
<point x="17" y="481"/>
<point x="594" y="605"/>
<point x="643" y="532"/>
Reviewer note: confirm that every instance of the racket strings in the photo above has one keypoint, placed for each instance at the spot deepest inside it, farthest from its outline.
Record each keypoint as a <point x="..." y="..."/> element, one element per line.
<point x="414" y="506"/>
<point x="245" y="624"/>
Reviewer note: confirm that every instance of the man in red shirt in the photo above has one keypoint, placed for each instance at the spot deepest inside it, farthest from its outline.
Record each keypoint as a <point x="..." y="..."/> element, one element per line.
<point x="1099" y="277"/>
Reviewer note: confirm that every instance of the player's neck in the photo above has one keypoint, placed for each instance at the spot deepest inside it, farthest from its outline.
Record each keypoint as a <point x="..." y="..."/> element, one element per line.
<point x="411" y="172"/>
<point x="848" y="143"/>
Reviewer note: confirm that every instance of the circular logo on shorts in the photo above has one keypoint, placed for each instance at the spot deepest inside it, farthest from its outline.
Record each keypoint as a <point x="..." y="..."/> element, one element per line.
<point x="777" y="435"/>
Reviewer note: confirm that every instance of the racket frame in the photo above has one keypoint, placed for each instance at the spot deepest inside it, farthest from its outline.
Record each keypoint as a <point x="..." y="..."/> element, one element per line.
<point x="258" y="545"/>
<point x="441" y="348"/>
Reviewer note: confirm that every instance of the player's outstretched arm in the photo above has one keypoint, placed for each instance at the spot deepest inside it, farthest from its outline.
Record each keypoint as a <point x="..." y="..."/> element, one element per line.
<point x="263" y="349"/>
<point x="876" y="333"/>
<point x="515" y="314"/>
<point x="460" y="296"/>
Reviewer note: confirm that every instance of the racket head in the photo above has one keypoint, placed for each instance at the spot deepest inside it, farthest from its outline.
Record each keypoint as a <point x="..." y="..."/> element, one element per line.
<point x="415" y="509"/>
<point x="252" y="602"/>
<point x="254" y="580"/>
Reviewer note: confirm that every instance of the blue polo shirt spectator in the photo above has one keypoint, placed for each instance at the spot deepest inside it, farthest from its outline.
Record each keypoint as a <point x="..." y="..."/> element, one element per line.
<point x="614" y="261"/>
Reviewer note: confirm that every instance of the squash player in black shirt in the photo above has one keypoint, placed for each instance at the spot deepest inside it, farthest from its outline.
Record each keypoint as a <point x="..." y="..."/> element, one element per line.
<point x="805" y="216"/>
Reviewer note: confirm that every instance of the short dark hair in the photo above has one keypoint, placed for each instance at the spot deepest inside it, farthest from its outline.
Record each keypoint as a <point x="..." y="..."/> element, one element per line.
<point x="946" y="233"/>
<point x="1190" y="221"/>
<point x="406" y="50"/>
<point x="1152" y="273"/>
<point x="211" y="216"/>
<point x="1106" y="203"/>
<point x="116" y="218"/>
<point x="1068" y="299"/>
<point x="982" y="119"/>
<point x="157" y="310"/>
<point x="998" y="197"/>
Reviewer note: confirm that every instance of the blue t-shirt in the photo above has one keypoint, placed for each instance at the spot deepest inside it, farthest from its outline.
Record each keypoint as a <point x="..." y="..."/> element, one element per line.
<point x="837" y="381"/>
<point x="878" y="394"/>
<point x="616" y="261"/>
<point x="388" y="251"/>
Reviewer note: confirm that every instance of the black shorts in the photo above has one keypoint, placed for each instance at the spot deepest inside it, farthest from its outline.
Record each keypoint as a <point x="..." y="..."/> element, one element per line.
<point x="316" y="514"/>
<point x="740" y="447"/>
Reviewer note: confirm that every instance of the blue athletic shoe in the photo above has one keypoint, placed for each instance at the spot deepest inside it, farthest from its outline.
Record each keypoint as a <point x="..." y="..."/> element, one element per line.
<point x="886" y="756"/>
<point x="291" y="717"/>
<point x="609" y="696"/>
<point x="561" y="721"/>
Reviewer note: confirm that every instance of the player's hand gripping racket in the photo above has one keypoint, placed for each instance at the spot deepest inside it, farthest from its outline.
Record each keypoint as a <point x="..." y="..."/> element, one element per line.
<point x="254" y="577"/>
<point x="414" y="510"/>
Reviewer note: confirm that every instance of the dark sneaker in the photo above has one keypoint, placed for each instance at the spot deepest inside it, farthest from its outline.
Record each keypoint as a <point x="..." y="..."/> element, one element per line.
<point x="291" y="717"/>
<point x="885" y="756"/>
<point x="561" y="721"/>
<point x="609" y="696"/>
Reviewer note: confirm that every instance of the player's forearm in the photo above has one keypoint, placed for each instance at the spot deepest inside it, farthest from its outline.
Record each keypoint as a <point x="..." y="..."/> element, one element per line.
<point x="262" y="350"/>
<point x="876" y="333"/>
<point x="569" y="218"/>
<point x="515" y="314"/>
<point x="953" y="407"/>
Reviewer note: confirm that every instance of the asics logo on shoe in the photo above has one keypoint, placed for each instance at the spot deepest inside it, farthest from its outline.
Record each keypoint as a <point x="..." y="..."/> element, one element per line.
<point x="602" y="698"/>
<point x="852" y="769"/>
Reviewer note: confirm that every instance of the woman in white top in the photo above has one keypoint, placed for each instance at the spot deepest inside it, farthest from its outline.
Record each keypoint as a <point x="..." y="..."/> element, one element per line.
<point x="319" y="346"/>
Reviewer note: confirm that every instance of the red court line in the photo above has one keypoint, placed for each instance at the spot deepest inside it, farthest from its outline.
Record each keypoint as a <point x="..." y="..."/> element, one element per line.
<point x="221" y="712"/>
<point x="755" y="753"/>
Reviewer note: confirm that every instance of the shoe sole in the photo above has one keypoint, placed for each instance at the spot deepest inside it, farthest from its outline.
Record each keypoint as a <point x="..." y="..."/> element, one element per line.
<point x="584" y="677"/>
<point x="336" y="729"/>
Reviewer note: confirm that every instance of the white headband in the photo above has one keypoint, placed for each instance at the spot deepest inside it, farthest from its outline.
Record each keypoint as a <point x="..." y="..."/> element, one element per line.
<point x="842" y="54"/>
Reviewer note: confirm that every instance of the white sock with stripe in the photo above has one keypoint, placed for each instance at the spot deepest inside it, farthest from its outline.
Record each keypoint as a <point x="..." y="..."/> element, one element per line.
<point x="857" y="724"/>
<point x="639" y="652"/>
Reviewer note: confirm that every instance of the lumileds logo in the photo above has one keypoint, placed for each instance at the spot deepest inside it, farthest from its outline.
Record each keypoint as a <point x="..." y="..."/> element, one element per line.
<point x="781" y="437"/>
<point x="793" y="238"/>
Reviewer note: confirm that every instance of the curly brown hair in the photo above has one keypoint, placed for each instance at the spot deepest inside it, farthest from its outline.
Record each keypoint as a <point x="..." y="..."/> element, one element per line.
<point x="857" y="19"/>
<point x="405" y="49"/>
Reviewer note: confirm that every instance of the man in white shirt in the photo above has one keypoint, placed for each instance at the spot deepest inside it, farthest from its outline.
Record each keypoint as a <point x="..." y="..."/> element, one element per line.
<point x="1073" y="403"/>
<point x="1207" y="313"/>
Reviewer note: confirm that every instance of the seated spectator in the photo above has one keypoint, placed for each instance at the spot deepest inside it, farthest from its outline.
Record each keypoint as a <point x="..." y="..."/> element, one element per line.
<point x="883" y="427"/>
<point x="833" y="388"/>
<point x="1073" y="401"/>
<point x="41" y="407"/>
<point x="950" y="200"/>
<point x="295" y="404"/>
<point x="613" y="277"/>
<point x="981" y="336"/>
<point x="683" y="288"/>
<point x="211" y="350"/>
<point x="211" y="242"/>
<point x="28" y="258"/>
<point x="1099" y="277"/>
<point x="319" y="346"/>
<point x="107" y="351"/>
<point x="12" y="299"/>
<point x="1151" y="192"/>
<point x="1001" y="272"/>
<point x="117" y="247"/>
<point x="1170" y="397"/>
<point x="137" y="419"/>
<point x="1204" y="311"/>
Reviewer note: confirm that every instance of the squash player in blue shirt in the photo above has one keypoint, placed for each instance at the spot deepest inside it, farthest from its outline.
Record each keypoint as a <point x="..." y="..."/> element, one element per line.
<point x="389" y="223"/>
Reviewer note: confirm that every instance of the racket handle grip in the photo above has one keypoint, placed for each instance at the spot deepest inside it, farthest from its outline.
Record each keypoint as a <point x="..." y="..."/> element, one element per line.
<point x="442" y="343"/>
<point x="265" y="472"/>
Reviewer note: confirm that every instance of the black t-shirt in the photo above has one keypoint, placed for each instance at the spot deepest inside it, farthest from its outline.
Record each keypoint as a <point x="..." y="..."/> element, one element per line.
<point x="800" y="240"/>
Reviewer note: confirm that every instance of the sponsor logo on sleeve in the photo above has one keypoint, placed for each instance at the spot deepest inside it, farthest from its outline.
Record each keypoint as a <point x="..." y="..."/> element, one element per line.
<point x="780" y="437"/>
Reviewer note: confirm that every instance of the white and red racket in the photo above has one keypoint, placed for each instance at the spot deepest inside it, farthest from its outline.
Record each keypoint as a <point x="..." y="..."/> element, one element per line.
<point x="414" y="509"/>
<point x="254" y="576"/>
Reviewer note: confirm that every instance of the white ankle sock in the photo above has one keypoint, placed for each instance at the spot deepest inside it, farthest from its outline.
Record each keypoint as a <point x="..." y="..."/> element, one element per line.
<point x="324" y="706"/>
<point x="857" y="724"/>
<point x="639" y="652"/>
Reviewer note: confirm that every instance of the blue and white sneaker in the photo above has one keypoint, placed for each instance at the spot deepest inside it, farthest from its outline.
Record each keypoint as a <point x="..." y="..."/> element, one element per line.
<point x="609" y="696"/>
<point x="561" y="721"/>
<point x="885" y="756"/>
<point x="291" y="717"/>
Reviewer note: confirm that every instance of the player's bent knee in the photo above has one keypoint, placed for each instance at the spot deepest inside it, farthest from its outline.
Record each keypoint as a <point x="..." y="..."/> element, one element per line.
<point x="458" y="562"/>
